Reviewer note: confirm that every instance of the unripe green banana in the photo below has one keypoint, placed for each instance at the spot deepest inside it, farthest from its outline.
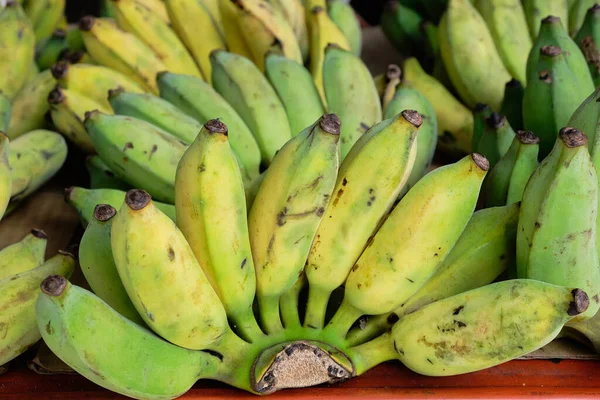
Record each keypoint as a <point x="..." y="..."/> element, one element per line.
<point x="410" y="98"/>
<point x="153" y="257"/>
<point x="79" y="328"/>
<point x="512" y="105"/>
<point x="5" y="113"/>
<point x="369" y="182"/>
<point x="211" y="213"/>
<point x="496" y="138"/>
<point x="588" y="40"/>
<point x="5" y="174"/>
<point x="19" y="293"/>
<point x="506" y="181"/>
<point x="288" y="208"/>
<point x="289" y="305"/>
<point x="483" y="252"/>
<point x="481" y="113"/>
<point x="242" y="84"/>
<point x="552" y="96"/>
<point x="556" y="239"/>
<point x="148" y="161"/>
<point x="470" y="56"/>
<point x="98" y="266"/>
<point x="508" y="26"/>
<point x="351" y="95"/>
<point x="343" y="15"/>
<point x="24" y="255"/>
<point x="34" y="158"/>
<point x="85" y="200"/>
<point x="412" y="242"/>
<point x="477" y="329"/>
<point x="45" y="16"/>
<point x="536" y="10"/>
<point x="577" y="13"/>
<point x="17" y="48"/>
<point x="200" y="101"/>
<point x="296" y="89"/>
<point x="51" y="50"/>
<point x="101" y="177"/>
<point x="402" y="25"/>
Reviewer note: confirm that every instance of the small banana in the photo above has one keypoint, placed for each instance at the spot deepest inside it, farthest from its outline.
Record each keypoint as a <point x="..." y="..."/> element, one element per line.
<point x="241" y="83"/>
<point x="343" y="15"/>
<point x="536" y="10"/>
<point x="296" y="89"/>
<point x="236" y="43"/>
<point x="45" y="16"/>
<point x="351" y="94"/>
<point x="506" y="181"/>
<point x="369" y="181"/>
<point x="101" y="177"/>
<point x="5" y="113"/>
<point x="496" y="138"/>
<point x="5" y="174"/>
<point x="148" y="161"/>
<point x="98" y="266"/>
<point x="51" y="50"/>
<point x="470" y="56"/>
<point x="512" y="105"/>
<point x="85" y="201"/>
<point x="588" y="40"/>
<point x="577" y="13"/>
<point x="391" y="80"/>
<point x="122" y="51"/>
<point x="24" y="255"/>
<point x="19" y="294"/>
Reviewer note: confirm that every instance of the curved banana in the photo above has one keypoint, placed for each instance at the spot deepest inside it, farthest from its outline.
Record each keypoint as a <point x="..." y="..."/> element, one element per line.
<point x="236" y="43"/>
<point x="536" y="10"/>
<point x="512" y="105"/>
<point x="5" y="173"/>
<point x="588" y="40"/>
<point x="391" y="80"/>
<point x="45" y="16"/>
<point x="294" y="12"/>
<point x="577" y="12"/>
<point x="343" y="15"/>
<point x="101" y="177"/>
<point x="403" y="26"/>
<point x="24" y="255"/>
<point x="496" y="138"/>
<point x="51" y="50"/>
<point x="158" y="8"/>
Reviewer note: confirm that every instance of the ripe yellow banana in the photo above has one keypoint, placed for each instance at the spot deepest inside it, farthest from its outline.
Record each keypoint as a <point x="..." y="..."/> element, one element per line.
<point x="158" y="8"/>
<point x="234" y="37"/>
<point x="24" y="255"/>
<point x="294" y="12"/>
<point x="5" y="173"/>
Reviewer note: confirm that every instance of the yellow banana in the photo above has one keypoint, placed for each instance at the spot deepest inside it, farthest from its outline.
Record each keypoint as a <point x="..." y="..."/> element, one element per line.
<point x="158" y="8"/>
<point x="234" y="37"/>
<point x="5" y="174"/>
<point x="45" y="16"/>
<point x="293" y="10"/>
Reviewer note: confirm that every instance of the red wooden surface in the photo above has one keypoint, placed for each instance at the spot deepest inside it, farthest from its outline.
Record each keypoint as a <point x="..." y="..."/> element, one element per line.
<point x="517" y="379"/>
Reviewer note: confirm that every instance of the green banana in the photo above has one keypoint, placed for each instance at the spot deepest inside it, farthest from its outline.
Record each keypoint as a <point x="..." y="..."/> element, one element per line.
<point x="588" y="40"/>
<point x="481" y="113"/>
<point x="556" y="239"/>
<point x="17" y="48"/>
<point x="74" y="38"/>
<point x="536" y="10"/>
<point x="296" y="89"/>
<point x="483" y="252"/>
<point x="552" y="96"/>
<point x="200" y="101"/>
<point x="85" y="200"/>
<point x="508" y="26"/>
<point x="148" y="161"/>
<point x="369" y="181"/>
<point x="101" y="177"/>
<point x="351" y="94"/>
<point x="19" y="293"/>
<point x="6" y="184"/>
<point x="98" y="266"/>
<point x="242" y="84"/>
<point x="577" y="14"/>
<point x="51" y="49"/>
<point x="506" y="181"/>
<point x="5" y="113"/>
<point x="496" y="138"/>
<point x="470" y="56"/>
<point x="288" y="208"/>
<point x="512" y="105"/>
<point x="402" y="25"/>
<point x="343" y="15"/>
<point x="587" y="119"/>
<point x="24" y="255"/>
<point x="45" y="16"/>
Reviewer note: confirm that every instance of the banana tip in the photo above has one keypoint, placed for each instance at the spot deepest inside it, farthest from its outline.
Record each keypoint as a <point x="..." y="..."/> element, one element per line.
<point x="595" y="9"/>
<point x="104" y="212"/>
<point x="331" y="124"/>
<point x="115" y="92"/>
<point x="11" y="3"/>
<point x="86" y="23"/>
<point x="68" y="192"/>
<point x="137" y="199"/>
<point x="527" y="137"/>
<point x="216" y="126"/>
<point x="550" y="19"/>
<point x="580" y="302"/>
<point x="572" y="137"/>
<point x="59" y="34"/>
<point x="54" y="285"/>
<point x="60" y="69"/>
<point x="56" y="96"/>
<point x="413" y="117"/>
<point x="38" y="233"/>
<point x="393" y="72"/>
<point x="496" y="121"/>
<point x="481" y="161"/>
<point x="480" y="107"/>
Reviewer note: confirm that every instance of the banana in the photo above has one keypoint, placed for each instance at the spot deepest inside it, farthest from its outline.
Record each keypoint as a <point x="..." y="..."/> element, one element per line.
<point x="215" y="12"/>
<point x="402" y="25"/>
<point x="455" y="121"/>
<point x="19" y="294"/>
<point x="98" y="266"/>
<point x="234" y="38"/>
<point x="552" y="96"/>
<point x="588" y="40"/>
<point x="45" y="16"/>
<point x="121" y="51"/>
<point x="5" y="174"/>
<point x="585" y="332"/>
<point x="369" y="181"/>
<point x="35" y="158"/>
<point x="506" y="181"/>
<point x="483" y="252"/>
<point x="351" y="94"/>
<point x="75" y="38"/>
<point x="24" y="255"/>
<point x="407" y="98"/>
<point x="587" y="119"/>
<point x="240" y="83"/>
<point x="79" y="328"/>
<point x="577" y="13"/>
<point x="477" y="329"/>
<point x="342" y="14"/>
<point x="77" y="57"/>
<point x="134" y="17"/>
<point x="293" y="11"/>
<point x="556" y="239"/>
<point x="200" y="101"/>
<point x="536" y="10"/>
<point x="391" y="81"/>
<point x="186" y="16"/>
<point x="30" y="105"/>
<point x="470" y="56"/>
<point x="481" y="113"/>
<point x="508" y="26"/>
<point x="512" y="105"/>
<point x="432" y="216"/>
<point x="289" y="304"/>
<point x="158" y="8"/>
<point x="85" y="200"/>
<point x="153" y="257"/>
<point x="261" y="21"/>
<point x="67" y="110"/>
<point x="496" y="138"/>
<point x="5" y="113"/>
<point x="148" y="161"/>
<point x="17" y="48"/>
<point x="101" y="177"/>
<point x="296" y="89"/>
<point x="93" y="81"/>
<point x="211" y="213"/>
<point x="51" y="49"/>
<point x="288" y="208"/>
<point x="323" y="32"/>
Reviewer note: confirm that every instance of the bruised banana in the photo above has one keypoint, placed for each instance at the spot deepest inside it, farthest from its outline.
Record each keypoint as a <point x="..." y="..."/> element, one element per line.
<point x="24" y="255"/>
<point x="369" y="182"/>
<point x="288" y="208"/>
<point x="588" y="40"/>
<point x="496" y="138"/>
<point x="512" y="105"/>
<point x="6" y="183"/>
<point x="536" y="10"/>
<point x="101" y="177"/>
<point x="483" y="252"/>
<point x="344" y="16"/>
